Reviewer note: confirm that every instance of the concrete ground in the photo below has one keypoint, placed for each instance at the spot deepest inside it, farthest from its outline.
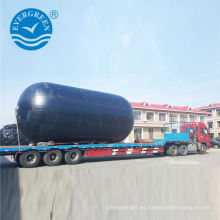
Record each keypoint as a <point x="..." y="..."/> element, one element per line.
<point x="148" y="187"/>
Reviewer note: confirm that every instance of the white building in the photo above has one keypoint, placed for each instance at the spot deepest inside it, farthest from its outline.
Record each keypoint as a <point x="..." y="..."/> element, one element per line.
<point x="149" y="119"/>
<point x="213" y="119"/>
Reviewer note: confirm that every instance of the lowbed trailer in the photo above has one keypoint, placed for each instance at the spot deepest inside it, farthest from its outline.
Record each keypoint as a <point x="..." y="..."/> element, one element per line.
<point x="173" y="144"/>
<point x="31" y="156"/>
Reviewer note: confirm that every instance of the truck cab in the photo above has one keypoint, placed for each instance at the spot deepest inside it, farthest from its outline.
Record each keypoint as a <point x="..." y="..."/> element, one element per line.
<point x="198" y="131"/>
<point x="184" y="137"/>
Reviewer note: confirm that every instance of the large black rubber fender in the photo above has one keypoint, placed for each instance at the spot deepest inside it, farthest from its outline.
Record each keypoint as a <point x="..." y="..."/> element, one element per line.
<point x="52" y="112"/>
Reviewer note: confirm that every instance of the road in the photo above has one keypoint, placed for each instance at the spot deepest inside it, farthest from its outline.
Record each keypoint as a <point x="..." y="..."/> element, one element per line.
<point x="147" y="187"/>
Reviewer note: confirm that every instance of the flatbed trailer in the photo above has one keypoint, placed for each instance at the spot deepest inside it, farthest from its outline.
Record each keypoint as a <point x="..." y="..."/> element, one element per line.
<point x="92" y="149"/>
<point x="173" y="144"/>
<point x="30" y="156"/>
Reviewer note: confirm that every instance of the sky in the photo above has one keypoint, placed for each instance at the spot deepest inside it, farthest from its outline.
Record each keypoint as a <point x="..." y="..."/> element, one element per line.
<point x="162" y="51"/>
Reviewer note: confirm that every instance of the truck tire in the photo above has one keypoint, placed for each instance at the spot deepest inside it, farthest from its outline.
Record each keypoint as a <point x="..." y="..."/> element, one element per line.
<point x="203" y="149"/>
<point x="183" y="150"/>
<point x="30" y="159"/>
<point x="7" y="132"/>
<point x="172" y="150"/>
<point x="17" y="159"/>
<point x="73" y="156"/>
<point x="53" y="157"/>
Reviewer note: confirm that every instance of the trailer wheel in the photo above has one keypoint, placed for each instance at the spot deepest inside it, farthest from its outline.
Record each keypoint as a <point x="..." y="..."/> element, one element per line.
<point x="30" y="159"/>
<point x="17" y="159"/>
<point x="73" y="156"/>
<point x="183" y="150"/>
<point x="172" y="150"/>
<point x="202" y="149"/>
<point x="52" y="157"/>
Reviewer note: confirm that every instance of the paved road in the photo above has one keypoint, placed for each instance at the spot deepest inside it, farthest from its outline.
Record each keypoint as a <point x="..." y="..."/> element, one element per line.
<point x="139" y="188"/>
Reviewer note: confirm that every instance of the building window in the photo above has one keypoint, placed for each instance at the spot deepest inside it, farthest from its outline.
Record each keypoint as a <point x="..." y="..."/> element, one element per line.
<point x="137" y="133"/>
<point x="183" y="118"/>
<point x="173" y="117"/>
<point x="167" y="130"/>
<point x="210" y="113"/>
<point x="192" y="118"/>
<point x="137" y="115"/>
<point x="202" y="118"/>
<point x="218" y="112"/>
<point x="218" y="124"/>
<point x="162" y="116"/>
<point x="175" y="130"/>
<point x="210" y="124"/>
<point x="150" y="116"/>
<point x="151" y="133"/>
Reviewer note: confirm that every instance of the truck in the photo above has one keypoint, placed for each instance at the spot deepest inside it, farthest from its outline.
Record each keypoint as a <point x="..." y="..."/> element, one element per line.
<point x="178" y="139"/>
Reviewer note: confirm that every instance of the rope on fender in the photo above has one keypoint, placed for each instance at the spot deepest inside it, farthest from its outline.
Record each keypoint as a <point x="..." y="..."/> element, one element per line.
<point x="18" y="136"/>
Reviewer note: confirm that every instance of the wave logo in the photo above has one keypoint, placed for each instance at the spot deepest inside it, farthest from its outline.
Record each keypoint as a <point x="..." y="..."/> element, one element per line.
<point x="31" y="29"/>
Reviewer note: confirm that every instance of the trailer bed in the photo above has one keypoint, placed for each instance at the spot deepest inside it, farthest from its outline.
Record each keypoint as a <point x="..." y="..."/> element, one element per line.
<point x="10" y="150"/>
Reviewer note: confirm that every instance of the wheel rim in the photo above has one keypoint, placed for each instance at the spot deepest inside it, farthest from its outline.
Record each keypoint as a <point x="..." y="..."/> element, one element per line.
<point x="53" y="156"/>
<point x="203" y="148"/>
<point x="174" y="151"/>
<point x="7" y="133"/>
<point x="30" y="158"/>
<point x="73" y="156"/>
<point x="183" y="150"/>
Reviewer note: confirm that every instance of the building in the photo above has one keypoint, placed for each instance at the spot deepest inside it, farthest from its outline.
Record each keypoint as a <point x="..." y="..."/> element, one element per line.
<point x="213" y="119"/>
<point x="149" y="119"/>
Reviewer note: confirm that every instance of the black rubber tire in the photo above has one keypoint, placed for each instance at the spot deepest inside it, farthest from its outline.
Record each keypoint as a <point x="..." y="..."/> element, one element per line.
<point x="18" y="160"/>
<point x="183" y="150"/>
<point x="53" y="157"/>
<point x="7" y="133"/>
<point x="30" y="159"/>
<point x="203" y="149"/>
<point x="172" y="150"/>
<point x="8" y="136"/>
<point x="73" y="156"/>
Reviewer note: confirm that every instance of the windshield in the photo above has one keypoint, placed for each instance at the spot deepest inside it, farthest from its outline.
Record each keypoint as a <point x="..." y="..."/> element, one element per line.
<point x="203" y="130"/>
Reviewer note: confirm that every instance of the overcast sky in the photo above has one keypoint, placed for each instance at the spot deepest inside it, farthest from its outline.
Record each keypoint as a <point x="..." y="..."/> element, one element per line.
<point x="162" y="51"/>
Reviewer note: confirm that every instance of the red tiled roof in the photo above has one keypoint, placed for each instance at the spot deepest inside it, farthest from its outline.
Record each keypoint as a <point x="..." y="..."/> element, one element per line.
<point x="213" y="105"/>
<point x="166" y="107"/>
